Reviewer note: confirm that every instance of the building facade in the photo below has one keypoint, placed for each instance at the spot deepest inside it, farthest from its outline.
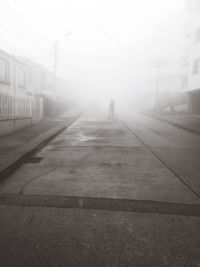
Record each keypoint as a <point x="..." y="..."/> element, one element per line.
<point x="170" y="96"/>
<point x="27" y="93"/>
<point x="168" y="83"/>
<point x="192" y="55"/>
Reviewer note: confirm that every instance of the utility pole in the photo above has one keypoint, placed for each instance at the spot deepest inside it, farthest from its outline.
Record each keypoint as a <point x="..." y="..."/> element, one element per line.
<point x="56" y="46"/>
<point x="157" y="87"/>
<point x="55" y="73"/>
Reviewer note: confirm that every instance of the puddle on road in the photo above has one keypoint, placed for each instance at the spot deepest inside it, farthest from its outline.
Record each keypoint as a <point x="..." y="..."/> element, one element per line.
<point x="73" y="139"/>
<point x="81" y="137"/>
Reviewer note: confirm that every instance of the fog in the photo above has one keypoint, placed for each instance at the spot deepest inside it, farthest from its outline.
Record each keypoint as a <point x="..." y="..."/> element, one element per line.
<point x="106" y="50"/>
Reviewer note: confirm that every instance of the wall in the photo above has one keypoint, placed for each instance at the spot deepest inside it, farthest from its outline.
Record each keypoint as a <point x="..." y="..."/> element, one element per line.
<point x="194" y="102"/>
<point x="11" y="125"/>
<point x="28" y="97"/>
<point x="15" y="100"/>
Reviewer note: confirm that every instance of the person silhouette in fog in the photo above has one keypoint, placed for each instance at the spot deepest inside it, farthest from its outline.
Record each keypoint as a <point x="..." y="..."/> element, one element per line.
<point x="111" y="109"/>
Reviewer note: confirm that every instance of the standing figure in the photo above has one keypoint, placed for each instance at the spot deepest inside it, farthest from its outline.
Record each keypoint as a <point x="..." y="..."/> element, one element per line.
<point x="111" y="109"/>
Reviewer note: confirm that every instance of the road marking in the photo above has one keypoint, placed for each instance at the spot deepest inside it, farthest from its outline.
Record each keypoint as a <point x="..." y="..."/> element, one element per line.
<point x="124" y="205"/>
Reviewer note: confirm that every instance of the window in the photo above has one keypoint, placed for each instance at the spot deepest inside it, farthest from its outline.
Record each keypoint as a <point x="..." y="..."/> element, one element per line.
<point x="184" y="81"/>
<point x="21" y="77"/>
<point x="197" y="35"/>
<point x="196" y="66"/>
<point x="28" y="76"/>
<point x="4" y="70"/>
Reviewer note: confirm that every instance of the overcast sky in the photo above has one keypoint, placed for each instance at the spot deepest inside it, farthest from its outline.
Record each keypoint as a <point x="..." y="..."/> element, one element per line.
<point x="111" y="44"/>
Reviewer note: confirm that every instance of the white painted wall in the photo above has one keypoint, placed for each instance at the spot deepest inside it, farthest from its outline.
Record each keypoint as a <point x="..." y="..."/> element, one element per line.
<point x="194" y="23"/>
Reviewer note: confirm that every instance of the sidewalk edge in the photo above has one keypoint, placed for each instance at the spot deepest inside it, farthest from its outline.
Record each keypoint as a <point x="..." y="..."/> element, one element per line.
<point x="174" y="124"/>
<point x="17" y="157"/>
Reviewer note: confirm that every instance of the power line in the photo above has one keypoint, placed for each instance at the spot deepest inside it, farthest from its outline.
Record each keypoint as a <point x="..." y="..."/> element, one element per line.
<point x="19" y="18"/>
<point x="10" y="38"/>
<point x="17" y="36"/>
<point x="21" y="22"/>
<point x="13" y="31"/>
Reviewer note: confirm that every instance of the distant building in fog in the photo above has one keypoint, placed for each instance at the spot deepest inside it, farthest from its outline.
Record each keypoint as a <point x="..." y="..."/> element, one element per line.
<point x="191" y="59"/>
<point x="168" y="83"/>
<point x="170" y="94"/>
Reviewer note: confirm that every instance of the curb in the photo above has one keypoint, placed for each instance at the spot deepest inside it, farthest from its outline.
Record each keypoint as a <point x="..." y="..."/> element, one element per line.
<point x="175" y="124"/>
<point x="16" y="158"/>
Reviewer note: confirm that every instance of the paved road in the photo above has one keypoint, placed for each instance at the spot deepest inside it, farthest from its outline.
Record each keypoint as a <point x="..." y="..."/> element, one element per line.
<point x="105" y="193"/>
<point x="177" y="148"/>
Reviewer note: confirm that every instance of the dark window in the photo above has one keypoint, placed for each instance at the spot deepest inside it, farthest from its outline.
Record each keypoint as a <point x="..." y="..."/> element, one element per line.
<point x="197" y="35"/>
<point x="196" y="66"/>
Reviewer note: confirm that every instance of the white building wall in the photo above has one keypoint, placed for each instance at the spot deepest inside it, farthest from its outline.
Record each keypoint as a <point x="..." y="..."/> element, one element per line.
<point x="8" y="88"/>
<point x="193" y="44"/>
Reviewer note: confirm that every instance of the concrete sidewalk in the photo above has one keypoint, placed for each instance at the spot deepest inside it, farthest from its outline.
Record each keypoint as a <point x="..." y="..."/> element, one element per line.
<point x="187" y="122"/>
<point x="17" y="146"/>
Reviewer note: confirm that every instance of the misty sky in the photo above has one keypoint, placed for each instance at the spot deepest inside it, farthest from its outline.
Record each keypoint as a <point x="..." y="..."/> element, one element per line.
<point x="112" y="45"/>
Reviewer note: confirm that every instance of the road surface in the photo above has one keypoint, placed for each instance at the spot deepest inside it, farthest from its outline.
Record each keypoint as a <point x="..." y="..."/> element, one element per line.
<point x="122" y="192"/>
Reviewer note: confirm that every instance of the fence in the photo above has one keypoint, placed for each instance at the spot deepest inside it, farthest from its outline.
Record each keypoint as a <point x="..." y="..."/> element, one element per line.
<point x="6" y="106"/>
<point x="11" y="107"/>
<point x="22" y="107"/>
